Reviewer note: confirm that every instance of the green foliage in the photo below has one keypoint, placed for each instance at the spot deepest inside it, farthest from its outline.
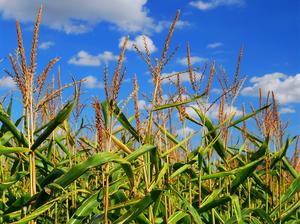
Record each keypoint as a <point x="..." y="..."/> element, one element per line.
<point x="143" y="172"/>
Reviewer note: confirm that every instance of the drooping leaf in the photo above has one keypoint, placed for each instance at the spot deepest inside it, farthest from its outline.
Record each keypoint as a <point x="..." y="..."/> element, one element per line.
<point x="10" y="125"/>
<point x="292" y="189"/>
<point x="166" y="106"/>
<point x="248" y="169"/>
<point x="53" y="124"/>
<point x="190" y="208"/>
<point x="36" y="213"/>
<point x="140" y="207"/>
<point x="177" y="216"/>
<point x="12" y="180"/>
<point x="94" y="161"/>
<point x="218" y="145"/>
<point x="7" y="150"/>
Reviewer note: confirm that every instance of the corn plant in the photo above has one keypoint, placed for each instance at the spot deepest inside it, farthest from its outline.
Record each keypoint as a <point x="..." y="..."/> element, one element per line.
<point x="143" y="172"/>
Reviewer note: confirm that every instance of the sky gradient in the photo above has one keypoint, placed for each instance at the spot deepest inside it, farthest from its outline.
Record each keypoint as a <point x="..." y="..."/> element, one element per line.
<point x="88" y="34"/>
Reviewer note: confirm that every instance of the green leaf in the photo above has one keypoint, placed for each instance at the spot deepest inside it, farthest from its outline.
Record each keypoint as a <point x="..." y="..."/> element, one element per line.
<point x="180" y="170"/>
<point x="39" y="211"/>
<point x="160" y="176"/>
<point x="12" y="180"/>
<point x="190" y="207"/>
<point x="211" y="197"/>
<point x="7" y="150"/>
<point x="94" y="161"/>
<point x="281" y="153"/>
<point x="166" y="106"/>
<point x="170" y="136"/>
<point x="10" y="125"/>
<point x="86" y="207"/>
<point x="53" y="175"/>
<point x="177" y="145"/>
<point x="218" y="145"/>
<point x="259" y="213"/>
<point x="292" y="189"/>
<point x="63" y="147"/>
<point x="6" y="137"/>
<point x="253" y="212"/>
<point x="93" y="201"/>
<point x="237" y="209"/>
<point x="288" y="213"/>
<point x="248" y="169"/>
<point x="174" y="218"/>
<point x="9" y="109"/>
<point x="247" y="116"/>
<point x="214" y="203"/>
<point x="142" y="150"/>
<point x="289" y="167"/>
<point x="139" y="207"/>
<point x="54" y="123"/>
<point x="125" y="123"/>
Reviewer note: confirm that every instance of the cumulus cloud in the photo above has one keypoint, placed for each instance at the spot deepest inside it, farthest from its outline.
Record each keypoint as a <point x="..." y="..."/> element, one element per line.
<point x="287" y="110"/>
<point x="142" y="104"/>
<point x="212" y="4"/>
<point x="6" y="82"/>
<point x="286" y="88"/>
<point x="165" y="25"/>
<point x="194" y="60"/>
<point x="217" y="91"/>
<point x="213" y="112"/>
<point x="83" y="58"/>
<point x="184" y="132"/>
<point x="79" y="16"/>
<point x="171" y="77"/>
<point x="139" y="42"/>
<point x="46" y="45"/>
<point x="214" y="45"/>
<point x="92" y="82"/>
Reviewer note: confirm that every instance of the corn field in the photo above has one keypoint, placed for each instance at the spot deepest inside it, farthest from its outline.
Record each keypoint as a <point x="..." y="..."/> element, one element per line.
<point x="132" y="167"/>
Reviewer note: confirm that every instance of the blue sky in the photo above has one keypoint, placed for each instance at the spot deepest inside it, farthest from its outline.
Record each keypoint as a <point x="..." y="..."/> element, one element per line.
<point x="86" y="35"/>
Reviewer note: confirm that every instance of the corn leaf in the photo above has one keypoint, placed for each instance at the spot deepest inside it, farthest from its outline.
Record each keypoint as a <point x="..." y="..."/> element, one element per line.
<point x="10" y="125"/>
<point x="170" y="105"/>
<point x="139" y="207"/>
<point x="54" y="123"/>
<point x="94" y="161"/>
<point x="7" y="150"/>
<point x="174" y="218"/>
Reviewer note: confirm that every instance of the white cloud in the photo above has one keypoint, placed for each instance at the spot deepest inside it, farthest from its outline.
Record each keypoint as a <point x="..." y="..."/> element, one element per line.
<point x="79" y="16"/>
<point x="46" y="45"/>
<point x="213" y="111"/>
<point x="116" y="127"/>
<point x="83" y="58"/>
<point x="287" y="110"/>
<point x="139" y="42"/>
<point x="286" y="88"/>
<point x="165" y="25"/>
<point x="194" y="60"/>
<point x="142" y="104"/>
<point x="214" y="45"/>
<point x="212" y="4"/>
<point x="216" y="91"/>
<point x="6" y="82"/>
<point x="92" y="82"/>
<point x="184" y="132"/>
<point x="171" y="77"/>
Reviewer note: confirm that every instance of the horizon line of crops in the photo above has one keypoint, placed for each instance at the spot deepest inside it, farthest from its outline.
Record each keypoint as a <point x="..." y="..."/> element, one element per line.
<point x="141" y="172"/>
